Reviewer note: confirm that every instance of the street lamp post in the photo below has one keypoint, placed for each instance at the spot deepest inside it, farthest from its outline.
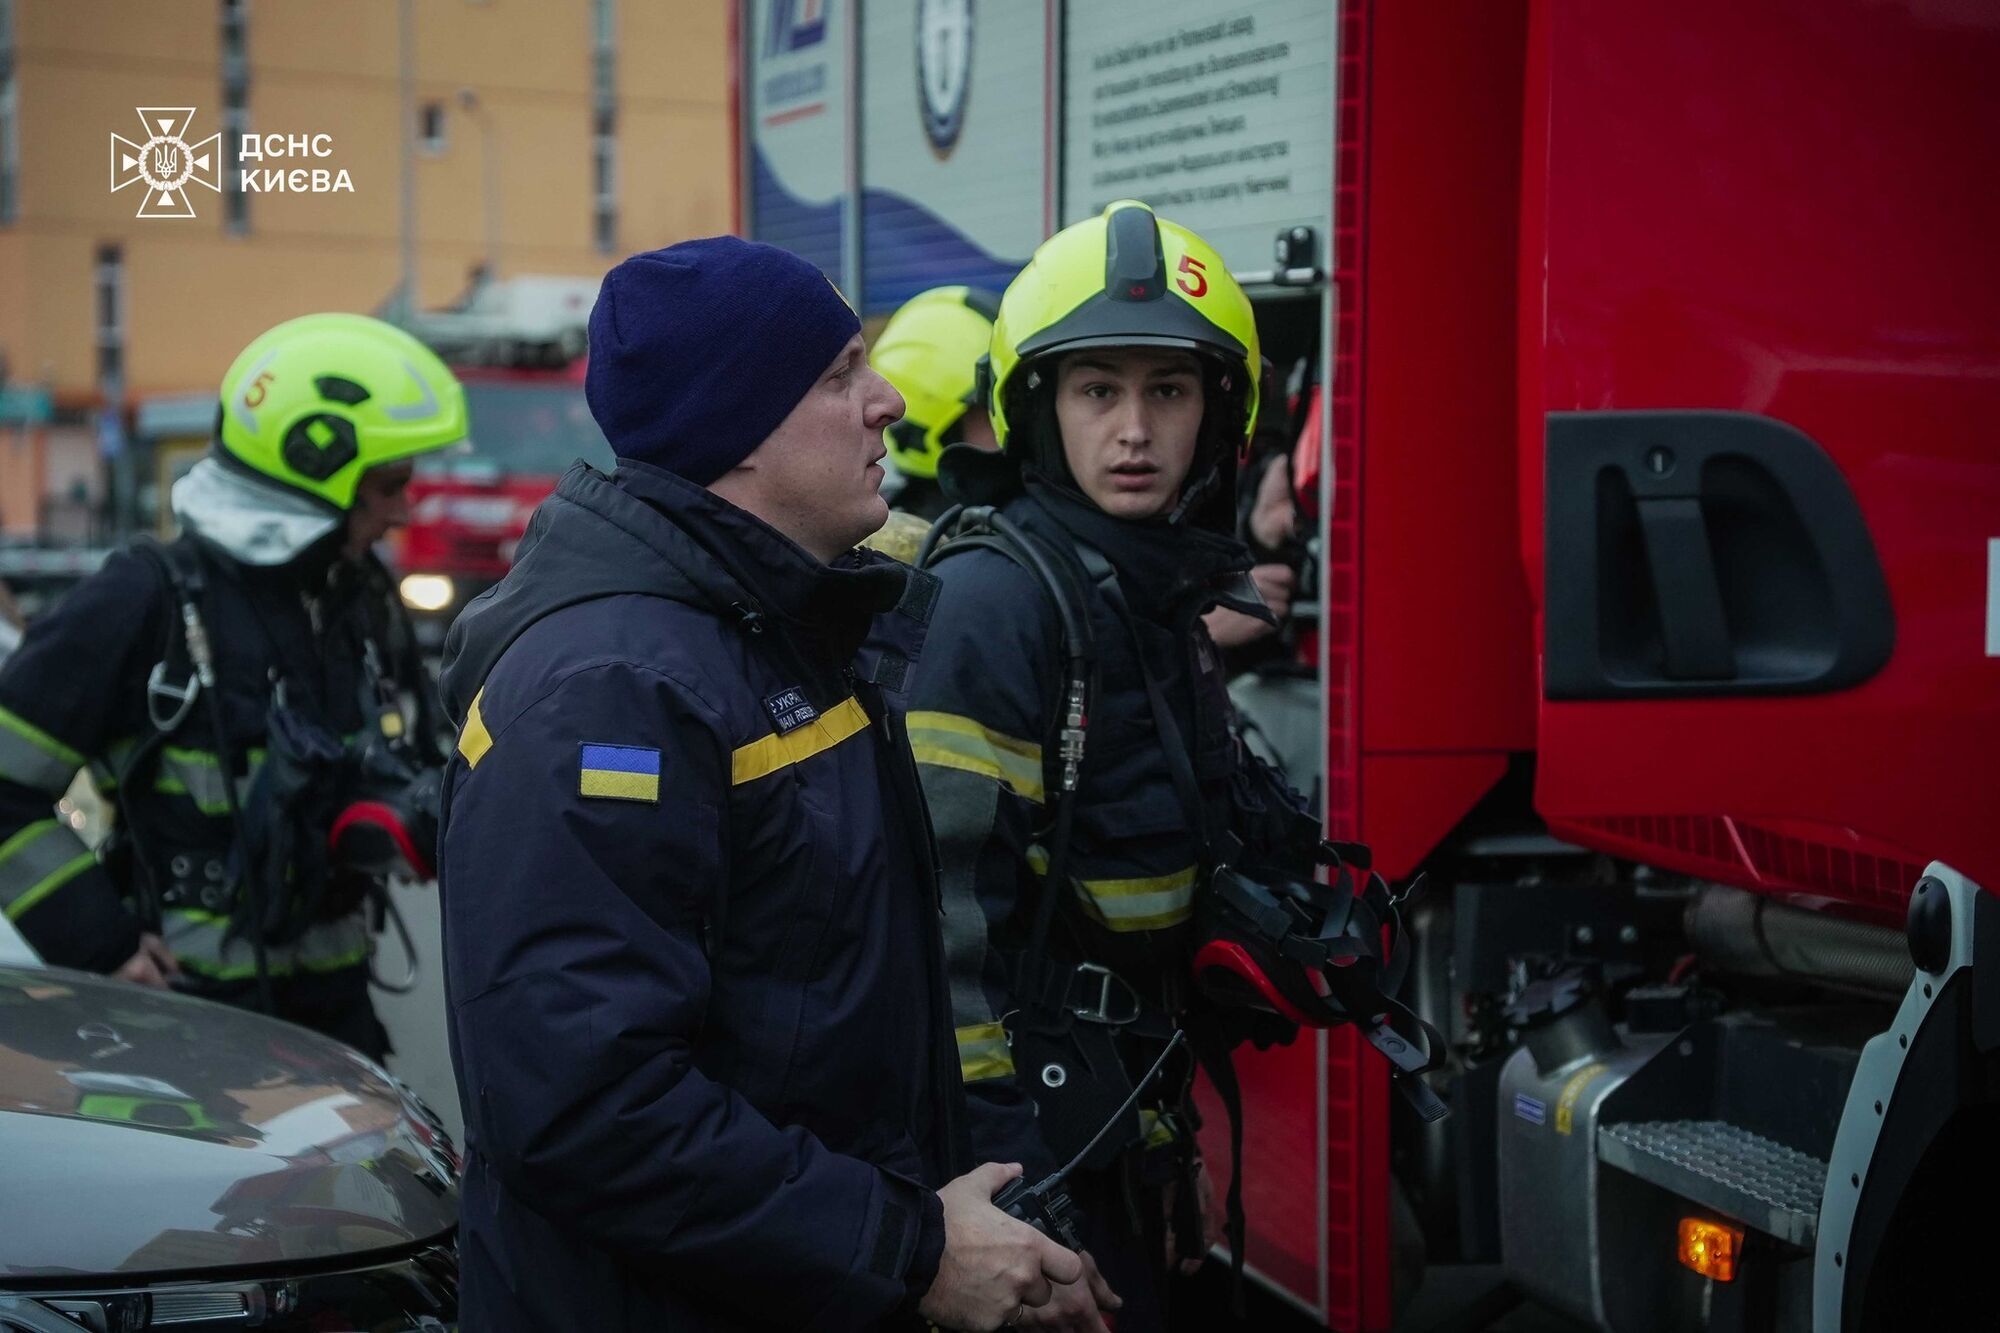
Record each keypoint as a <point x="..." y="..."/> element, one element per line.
<point x="407" y="79"/>
<point x="489" y="175"/>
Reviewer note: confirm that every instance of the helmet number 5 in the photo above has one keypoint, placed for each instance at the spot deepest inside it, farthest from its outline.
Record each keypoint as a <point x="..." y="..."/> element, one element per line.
<point x="1192" y="268"/>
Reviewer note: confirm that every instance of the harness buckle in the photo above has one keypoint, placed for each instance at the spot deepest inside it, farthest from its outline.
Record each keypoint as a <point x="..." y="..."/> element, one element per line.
<point x="1110" y="987"/>
<point x="179" y="698"/>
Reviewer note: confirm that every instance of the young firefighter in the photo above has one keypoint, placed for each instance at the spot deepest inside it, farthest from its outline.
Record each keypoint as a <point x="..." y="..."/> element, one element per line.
<point x="1124" y="382"/>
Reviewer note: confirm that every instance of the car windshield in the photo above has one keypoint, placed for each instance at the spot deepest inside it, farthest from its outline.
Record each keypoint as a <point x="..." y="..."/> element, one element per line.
<point x="517" y="429"/>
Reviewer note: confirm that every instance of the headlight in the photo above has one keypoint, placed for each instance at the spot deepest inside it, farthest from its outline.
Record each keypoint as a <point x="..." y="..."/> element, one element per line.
<point x="426" y="592"/>
<point x="415" y="1293"/>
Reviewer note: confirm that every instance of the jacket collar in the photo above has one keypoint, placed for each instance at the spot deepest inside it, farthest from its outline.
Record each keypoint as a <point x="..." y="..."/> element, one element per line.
<point x="828" y="605"/>
<point x="1169" y="572"/>
<point x="647" y="531"/>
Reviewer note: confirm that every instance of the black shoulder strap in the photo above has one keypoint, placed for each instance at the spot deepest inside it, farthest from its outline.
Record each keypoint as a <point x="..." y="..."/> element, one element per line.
<point x="1179" y="767"/>
<point x="404" y="657"/>
<point x="171" y="686"/>
<point x="962" y="529"/>
<point x="171" y="690"/>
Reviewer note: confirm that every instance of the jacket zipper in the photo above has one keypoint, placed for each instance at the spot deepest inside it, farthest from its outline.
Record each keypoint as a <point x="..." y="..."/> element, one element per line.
<point x="950" y="1128"/>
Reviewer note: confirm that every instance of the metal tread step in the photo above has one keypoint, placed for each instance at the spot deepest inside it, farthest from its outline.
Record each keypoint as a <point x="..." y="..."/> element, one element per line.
<point x="1758" y="1181"/>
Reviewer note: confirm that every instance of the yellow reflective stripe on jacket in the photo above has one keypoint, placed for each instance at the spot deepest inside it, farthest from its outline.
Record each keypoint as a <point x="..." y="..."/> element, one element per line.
<point x="760" y="758"/>
<point x="983" y="1052"/>
<point x="197" y="775"/>
<point x="1149" y="902"/>
<point x="37" y="861"/>
<point x="201" y="942"/>
<point x="473" y="738"/>
<point x="33" y="758"/>
<point x="948" y="740"/>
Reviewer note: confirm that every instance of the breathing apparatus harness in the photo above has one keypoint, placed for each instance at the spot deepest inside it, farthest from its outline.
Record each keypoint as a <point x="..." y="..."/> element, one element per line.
<point x="379" y="799"/>
<point x="1276" y="948"/>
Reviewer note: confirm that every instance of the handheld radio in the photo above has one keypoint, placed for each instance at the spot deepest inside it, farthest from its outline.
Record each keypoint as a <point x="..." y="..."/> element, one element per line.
<point x="1045" y="1205"/>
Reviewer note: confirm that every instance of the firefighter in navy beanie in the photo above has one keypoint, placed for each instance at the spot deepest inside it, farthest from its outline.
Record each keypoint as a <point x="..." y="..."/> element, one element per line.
<point x="697" y="982"/>
<point x="698" y="351"/>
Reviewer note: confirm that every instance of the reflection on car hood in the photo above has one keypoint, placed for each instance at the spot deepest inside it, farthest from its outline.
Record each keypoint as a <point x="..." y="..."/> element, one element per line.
<point x="143" y="1133"/>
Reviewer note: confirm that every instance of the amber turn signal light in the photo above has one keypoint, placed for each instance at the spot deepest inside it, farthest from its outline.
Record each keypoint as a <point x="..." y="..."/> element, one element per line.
<point x="1711" y="1248"/>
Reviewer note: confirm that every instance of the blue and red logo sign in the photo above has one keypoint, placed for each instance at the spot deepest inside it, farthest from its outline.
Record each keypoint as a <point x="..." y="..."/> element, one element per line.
<point x="794" y="25"/>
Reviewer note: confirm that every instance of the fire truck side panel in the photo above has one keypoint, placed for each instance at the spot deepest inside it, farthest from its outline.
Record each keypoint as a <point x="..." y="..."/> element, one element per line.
<point x="1773" y="209"/>
<point x="1447" y="663"/>
<point x="1430" y="652"/>
<point x="1281" y="1151"/>
<point x="1414" y="800"/>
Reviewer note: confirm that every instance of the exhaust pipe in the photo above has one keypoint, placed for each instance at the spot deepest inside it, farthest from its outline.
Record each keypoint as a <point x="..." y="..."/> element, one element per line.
<point x="1750" y="935"/>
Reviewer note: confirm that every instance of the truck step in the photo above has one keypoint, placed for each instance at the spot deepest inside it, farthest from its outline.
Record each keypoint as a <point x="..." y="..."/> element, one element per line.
<point x="1757" y="1181"/>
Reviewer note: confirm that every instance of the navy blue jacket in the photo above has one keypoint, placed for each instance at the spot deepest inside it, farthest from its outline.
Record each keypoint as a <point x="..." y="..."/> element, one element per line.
<point x="698" y="1006"/>
<point x="987" y="704"/>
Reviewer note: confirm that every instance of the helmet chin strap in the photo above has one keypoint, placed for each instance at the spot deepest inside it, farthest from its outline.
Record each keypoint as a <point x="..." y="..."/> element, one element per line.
<point x="1193" y="494"/>
<point x="1211" y="454"/>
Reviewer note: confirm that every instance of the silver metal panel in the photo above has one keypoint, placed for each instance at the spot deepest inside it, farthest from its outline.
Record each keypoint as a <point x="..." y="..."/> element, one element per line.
<point x="1551" y="1232"/>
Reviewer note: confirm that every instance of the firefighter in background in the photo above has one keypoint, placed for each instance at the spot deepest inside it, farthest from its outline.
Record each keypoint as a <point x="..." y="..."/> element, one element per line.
<point x="238" y="692"/>
<point x="930" y="350"/>
<point x="1124" y="366"/>
<point x="1267" y="519"/>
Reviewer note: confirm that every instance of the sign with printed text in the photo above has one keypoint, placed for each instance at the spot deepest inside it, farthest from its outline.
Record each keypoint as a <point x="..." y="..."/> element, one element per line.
<point x="1223" y="120"/>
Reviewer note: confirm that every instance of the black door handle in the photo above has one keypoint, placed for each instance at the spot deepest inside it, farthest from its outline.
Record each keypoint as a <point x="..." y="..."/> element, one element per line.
<point x="1693" y="553"/>
<point x="1694" y="630"/>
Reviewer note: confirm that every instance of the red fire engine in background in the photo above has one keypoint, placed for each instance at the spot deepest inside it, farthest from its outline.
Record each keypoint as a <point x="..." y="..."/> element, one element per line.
<point x="1656" y="479"/>
<point x="520" y="355"/>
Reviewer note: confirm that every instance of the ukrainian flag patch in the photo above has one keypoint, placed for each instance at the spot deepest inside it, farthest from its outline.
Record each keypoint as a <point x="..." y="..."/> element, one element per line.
<point x="620" y="773"/>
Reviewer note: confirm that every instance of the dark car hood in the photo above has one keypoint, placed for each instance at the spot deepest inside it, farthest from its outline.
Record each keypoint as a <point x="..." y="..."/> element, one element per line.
<point x="144" y="1134"/>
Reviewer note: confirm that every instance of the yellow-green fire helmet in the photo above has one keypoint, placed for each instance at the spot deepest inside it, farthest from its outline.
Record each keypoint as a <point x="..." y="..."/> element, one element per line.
<point x="316" y="401"/>
<point x="1126" y="278"/>
<point x="930" y="351"/>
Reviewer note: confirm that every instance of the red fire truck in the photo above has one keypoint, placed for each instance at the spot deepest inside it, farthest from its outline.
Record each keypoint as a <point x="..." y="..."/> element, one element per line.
<point x="1657" y="482"/>
<point x="469" y="506"/>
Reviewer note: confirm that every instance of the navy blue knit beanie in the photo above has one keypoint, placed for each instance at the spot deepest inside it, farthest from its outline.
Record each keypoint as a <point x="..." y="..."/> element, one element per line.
<point x="699" y="350"/>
